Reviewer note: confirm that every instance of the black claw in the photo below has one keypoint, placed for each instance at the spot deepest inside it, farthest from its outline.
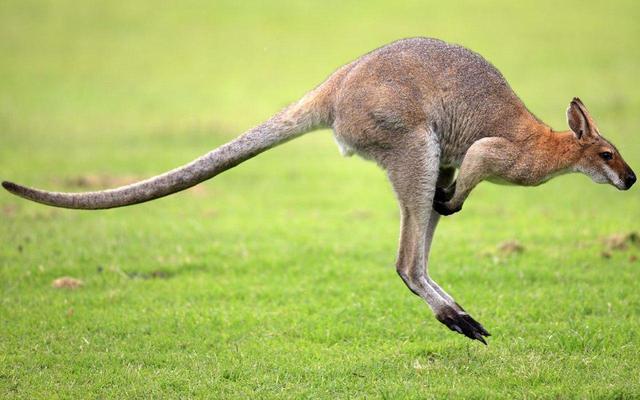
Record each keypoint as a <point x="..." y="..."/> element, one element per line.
<point x="479" y="337"/>
<point x="476" y="324"/>
<point x="470" y="331"/>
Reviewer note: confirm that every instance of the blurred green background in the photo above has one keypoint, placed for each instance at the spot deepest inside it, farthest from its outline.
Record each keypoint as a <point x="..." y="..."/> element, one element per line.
<point x="276" y="279"/>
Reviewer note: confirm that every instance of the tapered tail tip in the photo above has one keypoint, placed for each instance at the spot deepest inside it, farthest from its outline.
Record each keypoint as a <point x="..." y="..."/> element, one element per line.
<point x="13" y="188"/>
<point x="10" y="186"/>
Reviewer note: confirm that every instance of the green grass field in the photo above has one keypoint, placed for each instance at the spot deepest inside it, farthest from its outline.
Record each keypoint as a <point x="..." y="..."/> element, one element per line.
<point x="277" y="279"/>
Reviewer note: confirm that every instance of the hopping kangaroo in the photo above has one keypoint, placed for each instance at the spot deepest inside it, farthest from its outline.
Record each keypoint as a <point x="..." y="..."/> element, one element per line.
<point x="421" y="108"/>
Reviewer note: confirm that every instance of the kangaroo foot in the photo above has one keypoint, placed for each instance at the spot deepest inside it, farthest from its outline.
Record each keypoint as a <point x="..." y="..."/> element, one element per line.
<point x="461" y="322"/>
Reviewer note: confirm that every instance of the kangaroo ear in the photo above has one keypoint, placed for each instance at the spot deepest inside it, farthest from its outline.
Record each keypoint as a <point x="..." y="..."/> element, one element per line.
<point x="579" y="119"/>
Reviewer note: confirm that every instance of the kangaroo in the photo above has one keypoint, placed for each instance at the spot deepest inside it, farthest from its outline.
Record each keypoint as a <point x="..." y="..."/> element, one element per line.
<point x="421" y="109"/>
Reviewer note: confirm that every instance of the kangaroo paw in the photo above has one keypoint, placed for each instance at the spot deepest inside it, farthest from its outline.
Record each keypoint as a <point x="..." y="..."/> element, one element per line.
<point x="463" y="323"/>
<point x="443" y="195"/>
<point x="443" y="208"/>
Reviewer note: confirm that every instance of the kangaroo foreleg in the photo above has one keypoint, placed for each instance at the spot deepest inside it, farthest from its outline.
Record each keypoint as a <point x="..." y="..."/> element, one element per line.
<point x="486" y="158"/>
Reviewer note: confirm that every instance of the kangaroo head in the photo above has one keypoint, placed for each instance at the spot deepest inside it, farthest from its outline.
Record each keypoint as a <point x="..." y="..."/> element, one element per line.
<point x="598" y="158"/>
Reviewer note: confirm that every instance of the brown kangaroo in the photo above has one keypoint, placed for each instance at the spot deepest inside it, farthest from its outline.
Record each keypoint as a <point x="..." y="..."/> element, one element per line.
<point x="421" y="108"/>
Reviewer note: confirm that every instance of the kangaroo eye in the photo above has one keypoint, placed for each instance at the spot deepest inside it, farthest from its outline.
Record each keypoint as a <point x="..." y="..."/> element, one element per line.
<point x="606" y="155"/>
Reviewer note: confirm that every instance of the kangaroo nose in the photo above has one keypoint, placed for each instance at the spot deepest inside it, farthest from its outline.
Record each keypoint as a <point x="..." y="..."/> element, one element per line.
<point x="631" y="179"/>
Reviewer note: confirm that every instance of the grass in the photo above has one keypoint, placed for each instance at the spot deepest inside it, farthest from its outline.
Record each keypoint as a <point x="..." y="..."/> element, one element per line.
<point x="276" y="279"/>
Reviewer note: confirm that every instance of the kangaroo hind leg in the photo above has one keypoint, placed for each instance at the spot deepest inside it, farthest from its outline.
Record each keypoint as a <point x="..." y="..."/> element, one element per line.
<point x="413" y="174"/>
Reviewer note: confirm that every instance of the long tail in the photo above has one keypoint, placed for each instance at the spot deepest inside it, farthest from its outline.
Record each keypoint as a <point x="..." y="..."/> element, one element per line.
<point x="300" y="117"/>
